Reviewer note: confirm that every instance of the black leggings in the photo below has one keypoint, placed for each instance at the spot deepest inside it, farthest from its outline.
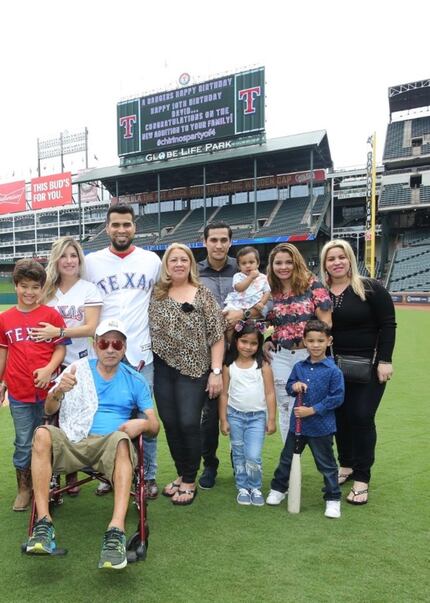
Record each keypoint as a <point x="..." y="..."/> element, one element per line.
<point x="179" y="400"/>
<point x="356" y="429"/>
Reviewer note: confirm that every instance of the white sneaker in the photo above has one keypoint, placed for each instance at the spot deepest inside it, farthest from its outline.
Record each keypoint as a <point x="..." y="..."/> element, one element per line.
<point x="275" y="497"/>
<point x="103" y="489"/>
<point x="332" y="509"/>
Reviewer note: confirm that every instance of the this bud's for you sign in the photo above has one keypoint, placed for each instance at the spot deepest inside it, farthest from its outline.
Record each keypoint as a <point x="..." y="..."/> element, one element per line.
<point x="51" y="191"/>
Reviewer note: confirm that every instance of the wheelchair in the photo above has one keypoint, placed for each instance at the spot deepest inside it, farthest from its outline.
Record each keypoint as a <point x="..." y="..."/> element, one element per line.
<point x="137" y="544"/>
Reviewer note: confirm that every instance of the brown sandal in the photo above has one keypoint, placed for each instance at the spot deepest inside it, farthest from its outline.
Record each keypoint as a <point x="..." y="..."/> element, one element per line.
<point x="189" y="492"/>
<point x="355" y="493"/>
<point x="172" y="486"/>
<point x="344" y="477"/>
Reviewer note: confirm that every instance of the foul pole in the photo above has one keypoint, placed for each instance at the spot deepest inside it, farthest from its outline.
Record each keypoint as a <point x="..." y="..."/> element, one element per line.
<point x="369" y="254"/>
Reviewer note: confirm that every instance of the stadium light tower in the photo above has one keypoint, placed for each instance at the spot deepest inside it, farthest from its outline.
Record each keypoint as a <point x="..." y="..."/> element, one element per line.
<point x="63" y="145"/>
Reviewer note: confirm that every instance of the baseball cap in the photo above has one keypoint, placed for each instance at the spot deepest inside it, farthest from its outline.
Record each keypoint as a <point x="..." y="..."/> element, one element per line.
<point x="110" y="324"/>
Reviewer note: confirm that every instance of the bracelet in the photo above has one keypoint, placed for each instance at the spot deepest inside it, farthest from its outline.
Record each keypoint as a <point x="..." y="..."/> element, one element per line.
<point x="62" y="333"/>
<point x="384" y="362"/>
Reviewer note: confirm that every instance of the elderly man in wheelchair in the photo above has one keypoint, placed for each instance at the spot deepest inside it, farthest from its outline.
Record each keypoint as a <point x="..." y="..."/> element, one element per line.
<point x="95" y="398"/>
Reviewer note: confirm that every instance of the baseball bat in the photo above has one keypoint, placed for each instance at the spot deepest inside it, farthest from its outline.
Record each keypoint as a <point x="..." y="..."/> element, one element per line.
<point x="295" y="483"/>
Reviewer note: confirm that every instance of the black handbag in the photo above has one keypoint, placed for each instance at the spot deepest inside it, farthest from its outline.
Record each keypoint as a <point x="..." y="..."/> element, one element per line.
<point x="356" y="369"/>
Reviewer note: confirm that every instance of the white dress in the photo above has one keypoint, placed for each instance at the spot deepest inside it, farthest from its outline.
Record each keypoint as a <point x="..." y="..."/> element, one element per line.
<point x="244" y="300"/>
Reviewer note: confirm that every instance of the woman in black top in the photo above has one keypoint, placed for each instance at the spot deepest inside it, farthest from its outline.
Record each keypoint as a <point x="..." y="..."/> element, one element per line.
<point x="363" y="325"/>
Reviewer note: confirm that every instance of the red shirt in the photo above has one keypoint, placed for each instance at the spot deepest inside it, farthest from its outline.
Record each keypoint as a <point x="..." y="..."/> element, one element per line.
<point x="25" y="355"/>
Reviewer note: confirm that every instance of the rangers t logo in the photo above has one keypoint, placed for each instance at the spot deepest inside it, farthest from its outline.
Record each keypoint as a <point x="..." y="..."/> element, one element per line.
<point x="249" y="95"/>
<point x="127" y="123"/>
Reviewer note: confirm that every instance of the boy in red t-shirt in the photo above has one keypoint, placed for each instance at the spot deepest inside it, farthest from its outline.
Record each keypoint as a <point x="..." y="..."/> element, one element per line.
<point x="27" y="366"/>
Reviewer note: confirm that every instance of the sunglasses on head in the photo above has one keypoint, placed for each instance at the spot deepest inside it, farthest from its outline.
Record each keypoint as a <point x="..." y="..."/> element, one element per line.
<point x="116" y="344"/>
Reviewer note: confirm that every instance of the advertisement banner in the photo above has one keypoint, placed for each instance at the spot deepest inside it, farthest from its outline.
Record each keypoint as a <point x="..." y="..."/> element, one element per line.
<point x="51" y="191"/>
<point x="226" y="188"/>
<point x="12" y="197"/>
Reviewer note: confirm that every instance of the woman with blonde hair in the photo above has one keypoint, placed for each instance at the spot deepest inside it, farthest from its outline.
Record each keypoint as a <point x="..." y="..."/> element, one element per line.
<point x="75" y="299"/>
<point x="187" y="332"/>
<point x="363" y="328"/>
<point x="297" y="296"/>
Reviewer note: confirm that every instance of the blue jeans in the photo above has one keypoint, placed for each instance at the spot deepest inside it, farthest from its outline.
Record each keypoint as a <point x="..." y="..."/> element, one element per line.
<point x="149" y="444"/>
<point x="322" y="451"/>
<point x="26" y="417"/>
<point x="247" y="430"/>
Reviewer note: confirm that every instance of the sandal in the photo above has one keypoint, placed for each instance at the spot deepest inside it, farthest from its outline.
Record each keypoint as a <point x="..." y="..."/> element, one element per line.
<point x="192" y="492"/>
<point x="171" y="489"/>
<point x="355" y="493"/>
<point x="344" y="477"/>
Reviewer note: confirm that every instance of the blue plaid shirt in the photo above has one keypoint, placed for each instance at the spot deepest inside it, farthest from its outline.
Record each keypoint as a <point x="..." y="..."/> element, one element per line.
<point x="325" y="392"/>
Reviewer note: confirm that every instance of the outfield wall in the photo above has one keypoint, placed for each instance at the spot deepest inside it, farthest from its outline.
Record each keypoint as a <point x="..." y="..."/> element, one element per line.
<point x="409" y="298"/>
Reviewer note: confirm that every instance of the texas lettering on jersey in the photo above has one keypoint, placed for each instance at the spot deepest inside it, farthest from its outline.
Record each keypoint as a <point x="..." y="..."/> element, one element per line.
<point x="71" y="312"/>
<point x="22" y="334"/>
<point x="124" y="280"/>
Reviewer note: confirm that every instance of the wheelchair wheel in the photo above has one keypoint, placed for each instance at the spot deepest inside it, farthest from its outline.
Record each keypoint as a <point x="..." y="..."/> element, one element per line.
<point x="56" y="500"/>
<point x="136" y="550"/>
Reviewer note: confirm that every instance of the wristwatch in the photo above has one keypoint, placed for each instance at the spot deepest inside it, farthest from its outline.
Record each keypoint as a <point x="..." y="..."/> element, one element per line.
<point x="216" y="371"/>
<point x="246" y="314"/>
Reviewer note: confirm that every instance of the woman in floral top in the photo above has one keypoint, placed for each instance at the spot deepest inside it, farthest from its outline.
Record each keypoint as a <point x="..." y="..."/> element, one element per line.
<point x="187" y="332"/>
<point x="296" y="298"/>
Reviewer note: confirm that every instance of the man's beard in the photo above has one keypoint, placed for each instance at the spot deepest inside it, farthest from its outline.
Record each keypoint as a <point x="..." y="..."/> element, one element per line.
<point x="121" y="246"/>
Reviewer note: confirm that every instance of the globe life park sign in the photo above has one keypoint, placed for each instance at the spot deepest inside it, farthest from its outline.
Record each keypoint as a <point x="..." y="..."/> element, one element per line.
<point x="215" y="115"/>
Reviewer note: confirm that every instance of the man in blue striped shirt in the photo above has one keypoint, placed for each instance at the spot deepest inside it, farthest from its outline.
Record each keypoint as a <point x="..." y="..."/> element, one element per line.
<point x="321" y="384"/>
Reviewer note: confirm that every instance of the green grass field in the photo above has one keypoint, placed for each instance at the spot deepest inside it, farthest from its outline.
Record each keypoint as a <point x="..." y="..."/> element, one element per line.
<point x="217" y="551"/>
<point x="6" y="285"/>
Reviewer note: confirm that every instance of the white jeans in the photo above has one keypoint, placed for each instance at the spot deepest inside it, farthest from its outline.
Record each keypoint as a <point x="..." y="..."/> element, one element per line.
<point x="282" y="365"/>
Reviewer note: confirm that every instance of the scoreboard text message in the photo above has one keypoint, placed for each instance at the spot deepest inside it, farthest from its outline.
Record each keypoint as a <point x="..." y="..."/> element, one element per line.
<point x="223" y="108"/>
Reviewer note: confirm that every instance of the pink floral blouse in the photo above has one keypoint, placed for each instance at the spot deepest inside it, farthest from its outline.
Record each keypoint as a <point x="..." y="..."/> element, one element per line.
<point x="288" y="314"/>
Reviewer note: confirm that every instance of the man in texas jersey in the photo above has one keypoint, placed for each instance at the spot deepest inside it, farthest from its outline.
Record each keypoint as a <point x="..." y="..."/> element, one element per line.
<point x="125" y="276"/>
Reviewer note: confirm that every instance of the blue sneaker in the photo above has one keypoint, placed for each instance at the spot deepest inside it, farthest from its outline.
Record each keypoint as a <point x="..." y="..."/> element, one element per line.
<point x="207" y="478"/>
<point x="243" y="497"/>
<point x="42" y="539"/>
<point x="114" y="554"/>
<point x="257" y="499"/>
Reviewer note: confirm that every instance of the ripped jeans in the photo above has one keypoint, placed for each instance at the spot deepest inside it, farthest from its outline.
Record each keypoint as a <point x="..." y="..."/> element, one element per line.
<point x="282" y="364"/>
<point x="247" y="430"/>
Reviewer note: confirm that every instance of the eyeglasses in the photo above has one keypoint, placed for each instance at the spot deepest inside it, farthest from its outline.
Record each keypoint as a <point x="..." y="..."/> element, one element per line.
<point x="116" y="344"/>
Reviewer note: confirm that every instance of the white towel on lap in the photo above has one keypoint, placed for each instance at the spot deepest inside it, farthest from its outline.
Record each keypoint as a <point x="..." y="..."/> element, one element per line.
<point x="80" y="404"/>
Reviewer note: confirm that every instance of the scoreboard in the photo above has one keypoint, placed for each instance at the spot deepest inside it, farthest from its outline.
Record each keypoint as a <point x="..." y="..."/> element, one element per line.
<point x="209" y="116"/>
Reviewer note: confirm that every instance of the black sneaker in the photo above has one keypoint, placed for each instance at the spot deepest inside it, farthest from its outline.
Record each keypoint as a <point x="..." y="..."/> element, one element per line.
<point x="114" y="554"/>
<point x="42" y="539"/>
<point x="207" y="478"/>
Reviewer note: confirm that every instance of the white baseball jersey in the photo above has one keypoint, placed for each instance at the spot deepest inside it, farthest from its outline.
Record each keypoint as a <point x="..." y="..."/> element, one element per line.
<point x="126" y="284"/>
<point x="71" y="306"/>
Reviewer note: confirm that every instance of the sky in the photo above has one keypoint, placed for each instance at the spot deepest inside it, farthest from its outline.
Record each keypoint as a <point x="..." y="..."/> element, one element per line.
<point x="65" y="65"/>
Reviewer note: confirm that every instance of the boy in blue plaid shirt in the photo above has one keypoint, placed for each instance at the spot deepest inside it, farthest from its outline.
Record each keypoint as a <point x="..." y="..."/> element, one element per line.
<point x="321" y="384"/>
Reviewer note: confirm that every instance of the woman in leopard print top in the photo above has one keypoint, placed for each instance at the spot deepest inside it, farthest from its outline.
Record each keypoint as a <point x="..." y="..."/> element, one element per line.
<point x="187" y="332"/>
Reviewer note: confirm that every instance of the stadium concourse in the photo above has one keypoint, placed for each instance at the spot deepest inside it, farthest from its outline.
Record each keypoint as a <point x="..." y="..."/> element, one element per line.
<point x="282" y="189"/>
